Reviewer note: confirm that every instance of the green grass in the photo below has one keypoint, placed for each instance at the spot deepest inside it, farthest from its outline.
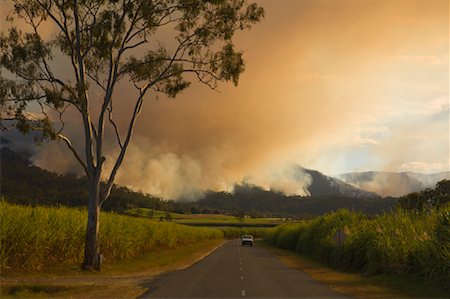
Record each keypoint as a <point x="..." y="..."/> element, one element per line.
<point x="152" y="214"/>
<point x="395" y="243"/>
<point x="37" y="291"/>
<point x="200" y="218"/>
<point x="39" y="237"/>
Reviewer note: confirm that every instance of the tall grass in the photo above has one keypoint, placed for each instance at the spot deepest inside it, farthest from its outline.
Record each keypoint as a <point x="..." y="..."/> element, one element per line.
<point x="399" y="242"/>
<point x="32" y="238"/>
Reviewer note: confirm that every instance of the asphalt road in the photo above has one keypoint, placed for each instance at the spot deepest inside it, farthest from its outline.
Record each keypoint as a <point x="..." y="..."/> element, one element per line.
<point x="233" y="271"/>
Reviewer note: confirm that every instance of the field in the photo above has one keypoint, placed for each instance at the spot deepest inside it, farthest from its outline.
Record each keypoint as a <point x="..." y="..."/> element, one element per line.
<point x="202" y="219"/>
<point x="40" y="237"/>
<point x="401" y="242"/>
<point x="231" y="226"/>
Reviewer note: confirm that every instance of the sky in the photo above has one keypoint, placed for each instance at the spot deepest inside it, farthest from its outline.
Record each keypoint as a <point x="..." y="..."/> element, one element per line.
<point x="334" y="85"/>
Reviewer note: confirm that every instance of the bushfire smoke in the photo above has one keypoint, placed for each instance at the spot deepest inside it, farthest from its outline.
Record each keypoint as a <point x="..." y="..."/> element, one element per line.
<point x="319" y="74"/>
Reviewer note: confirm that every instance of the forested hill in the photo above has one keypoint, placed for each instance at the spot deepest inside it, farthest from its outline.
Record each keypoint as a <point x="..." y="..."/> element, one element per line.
<point x="325" y="185"/>
<point x="23" y="183"/>
<point x="254" y="201"/>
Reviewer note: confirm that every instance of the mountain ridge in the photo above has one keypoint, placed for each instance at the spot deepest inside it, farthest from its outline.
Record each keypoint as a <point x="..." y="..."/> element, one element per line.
<point x="26" y="184"/>
<point x="323" y="184"/>
<point x="387" y="183"/>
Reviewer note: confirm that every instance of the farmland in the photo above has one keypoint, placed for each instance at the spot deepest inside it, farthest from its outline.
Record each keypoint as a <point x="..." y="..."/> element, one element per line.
<point x="204" y="219"/>
<point x="40" y="237"/>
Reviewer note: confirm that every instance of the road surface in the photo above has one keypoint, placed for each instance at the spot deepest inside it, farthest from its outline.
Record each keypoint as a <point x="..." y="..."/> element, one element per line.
<point x="233" y="271"/>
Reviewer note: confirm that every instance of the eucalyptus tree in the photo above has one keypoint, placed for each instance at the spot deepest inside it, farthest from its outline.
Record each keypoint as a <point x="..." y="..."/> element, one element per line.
<point x="106" y="42"/>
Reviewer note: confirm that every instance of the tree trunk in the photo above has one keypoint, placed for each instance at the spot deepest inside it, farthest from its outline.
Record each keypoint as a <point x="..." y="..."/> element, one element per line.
<point x="92" y="249"/>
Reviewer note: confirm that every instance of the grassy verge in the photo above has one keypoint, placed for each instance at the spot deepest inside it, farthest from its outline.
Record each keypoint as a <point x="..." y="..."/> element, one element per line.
<point x="406" y="243"/>
<point x="358" y="285"/>
<point x="44" y="237"/>
<point x="121" y="279"/>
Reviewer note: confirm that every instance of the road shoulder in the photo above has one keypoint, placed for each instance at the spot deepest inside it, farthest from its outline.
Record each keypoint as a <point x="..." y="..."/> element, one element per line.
<point x="357" y="285"/>
<point x="125" y="279"/>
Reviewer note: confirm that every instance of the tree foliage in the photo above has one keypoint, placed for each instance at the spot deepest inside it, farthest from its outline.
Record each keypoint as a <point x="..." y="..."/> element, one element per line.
<point x="428" y="198"/>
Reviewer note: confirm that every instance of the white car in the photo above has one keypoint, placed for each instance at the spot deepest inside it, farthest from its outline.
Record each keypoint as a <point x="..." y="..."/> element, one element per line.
<point x="247" y="240"/>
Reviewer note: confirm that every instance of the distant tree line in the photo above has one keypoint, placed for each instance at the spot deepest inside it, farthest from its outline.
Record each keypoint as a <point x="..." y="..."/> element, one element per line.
<point x="256" y="202"/>
<point x="428" y="198"/>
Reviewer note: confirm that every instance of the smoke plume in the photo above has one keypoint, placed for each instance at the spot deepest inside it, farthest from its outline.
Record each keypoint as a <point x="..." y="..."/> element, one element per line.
<point x="315" y="71"/>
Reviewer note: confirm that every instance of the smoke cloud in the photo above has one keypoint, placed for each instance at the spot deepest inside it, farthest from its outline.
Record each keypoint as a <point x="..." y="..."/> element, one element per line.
<point x="317" y="74"/>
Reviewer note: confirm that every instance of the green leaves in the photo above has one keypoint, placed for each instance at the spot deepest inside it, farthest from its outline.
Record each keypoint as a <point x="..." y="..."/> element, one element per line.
<point x="231" y="64"/>
<point x="113" y="35"/>
<point x="174" y="84"/>
<point x="54" y="97"/>
<point x="22" y="53"/>
<point x="147" y="68"/>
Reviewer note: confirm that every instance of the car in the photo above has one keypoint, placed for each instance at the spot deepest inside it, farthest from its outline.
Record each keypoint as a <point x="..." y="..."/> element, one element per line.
<point x="247" y="240"/>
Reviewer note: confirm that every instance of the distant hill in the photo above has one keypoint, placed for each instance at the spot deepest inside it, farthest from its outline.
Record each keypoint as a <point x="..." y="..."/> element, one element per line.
<point x="23" y="183"/>
<point x="393" y="183"/>
<point x="326" y="185"/>
<point x="254" y="201"/>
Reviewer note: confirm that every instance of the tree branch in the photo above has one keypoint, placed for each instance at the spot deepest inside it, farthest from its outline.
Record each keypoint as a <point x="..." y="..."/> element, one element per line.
<point x="72" y="149"/>
<point x="116" y="129"/>
<point x="82" y="95"/>
<point x="136" y="112"/>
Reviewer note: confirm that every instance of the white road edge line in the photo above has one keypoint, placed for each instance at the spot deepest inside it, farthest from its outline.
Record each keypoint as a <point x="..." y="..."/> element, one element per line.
<point x="243" y="293"/>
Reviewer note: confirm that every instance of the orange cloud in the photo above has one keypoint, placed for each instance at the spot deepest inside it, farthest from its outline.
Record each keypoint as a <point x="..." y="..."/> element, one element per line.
<point x="314" y="69"/>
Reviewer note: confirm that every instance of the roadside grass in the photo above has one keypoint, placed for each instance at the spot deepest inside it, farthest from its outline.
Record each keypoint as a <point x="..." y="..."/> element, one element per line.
<point x="161" y="258"/>
<point x="120" y="279"/>
<point x="38" y="291"/>
<point x="358" y="285"/>
<point x="36" y="238"/>
<point x="401" y="246"/>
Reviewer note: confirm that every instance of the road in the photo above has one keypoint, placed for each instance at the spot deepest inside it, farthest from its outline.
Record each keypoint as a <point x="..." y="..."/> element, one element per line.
<point x="233" y="271"/>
